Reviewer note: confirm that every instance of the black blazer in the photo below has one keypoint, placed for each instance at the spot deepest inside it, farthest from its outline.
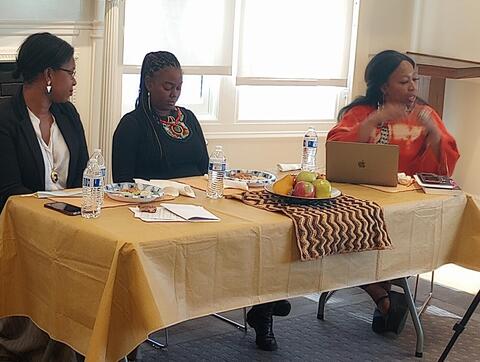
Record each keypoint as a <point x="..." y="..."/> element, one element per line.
<point x="22" y="169"/>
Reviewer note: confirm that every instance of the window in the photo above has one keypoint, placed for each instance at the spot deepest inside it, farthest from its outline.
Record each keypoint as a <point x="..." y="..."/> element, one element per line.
<point x="250" y="65"/>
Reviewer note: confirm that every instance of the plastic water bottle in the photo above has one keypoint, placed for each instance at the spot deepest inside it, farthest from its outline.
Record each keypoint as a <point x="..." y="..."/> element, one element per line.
<point x="310" y="143"/>
<point x="92" y="190"/>
<point x="216" y="172"/>
<point x="97" y="155"/>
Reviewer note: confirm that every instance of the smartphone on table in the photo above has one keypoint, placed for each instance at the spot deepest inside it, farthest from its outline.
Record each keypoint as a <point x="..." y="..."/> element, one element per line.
<point x="64" y="208"/>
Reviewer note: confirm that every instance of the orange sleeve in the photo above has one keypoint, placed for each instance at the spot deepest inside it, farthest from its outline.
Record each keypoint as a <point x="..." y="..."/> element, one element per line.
<point x="449" y="154"/>
<point x="347" y="128"/>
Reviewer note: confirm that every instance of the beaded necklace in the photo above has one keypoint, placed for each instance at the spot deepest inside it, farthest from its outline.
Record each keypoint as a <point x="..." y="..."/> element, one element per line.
<point x="174" y="126"/>
<point x="171" y="120"/>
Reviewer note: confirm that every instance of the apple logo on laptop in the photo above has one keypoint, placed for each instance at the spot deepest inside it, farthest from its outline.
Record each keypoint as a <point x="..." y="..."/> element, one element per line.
<point x="362" y="164"/>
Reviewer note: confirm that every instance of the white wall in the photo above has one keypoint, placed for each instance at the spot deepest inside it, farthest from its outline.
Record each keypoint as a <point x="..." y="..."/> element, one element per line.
<point x="451" y="29"/>
<point x="42" y="10"/>
<point x="383" y="24"/>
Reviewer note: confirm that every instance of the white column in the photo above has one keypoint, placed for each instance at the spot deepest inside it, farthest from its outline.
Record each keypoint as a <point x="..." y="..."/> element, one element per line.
<point x="111" y="82"/>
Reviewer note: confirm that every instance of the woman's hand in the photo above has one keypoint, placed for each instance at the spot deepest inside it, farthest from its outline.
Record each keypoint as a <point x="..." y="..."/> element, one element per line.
<point x="424" y="116"/>
<point x="389" y="112"/>
<point x="433" y="134"/>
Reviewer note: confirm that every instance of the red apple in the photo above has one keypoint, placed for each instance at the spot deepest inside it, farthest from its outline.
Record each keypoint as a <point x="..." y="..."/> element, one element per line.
<point x="304" y="189"/>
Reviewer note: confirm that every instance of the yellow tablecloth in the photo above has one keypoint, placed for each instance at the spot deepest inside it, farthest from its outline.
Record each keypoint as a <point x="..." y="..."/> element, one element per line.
<point x="103" y="285"/>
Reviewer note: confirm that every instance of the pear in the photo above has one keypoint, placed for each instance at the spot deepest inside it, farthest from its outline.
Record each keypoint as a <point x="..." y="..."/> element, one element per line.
<point x="285" y="185"/>
<point x="323" y="189"/>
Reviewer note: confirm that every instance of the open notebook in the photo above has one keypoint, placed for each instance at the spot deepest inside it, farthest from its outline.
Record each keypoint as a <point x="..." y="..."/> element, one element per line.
<point x="176" y="212"/>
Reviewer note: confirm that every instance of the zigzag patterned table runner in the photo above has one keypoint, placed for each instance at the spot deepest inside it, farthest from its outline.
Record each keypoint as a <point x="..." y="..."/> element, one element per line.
<point x="341" y="225"/>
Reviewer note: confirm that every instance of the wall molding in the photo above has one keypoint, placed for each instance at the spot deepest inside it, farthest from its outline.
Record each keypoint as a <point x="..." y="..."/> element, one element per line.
<point x="8" y="54"/>
<point x="59" y="28"/>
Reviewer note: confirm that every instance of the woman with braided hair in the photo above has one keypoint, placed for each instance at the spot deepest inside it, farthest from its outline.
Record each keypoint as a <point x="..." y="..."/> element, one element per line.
<point x="159" y="140"/>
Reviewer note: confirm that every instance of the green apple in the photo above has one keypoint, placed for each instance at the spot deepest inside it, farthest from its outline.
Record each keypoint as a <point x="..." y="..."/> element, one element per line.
<point x="306" y="176"/>
<point x="322" y="188"/>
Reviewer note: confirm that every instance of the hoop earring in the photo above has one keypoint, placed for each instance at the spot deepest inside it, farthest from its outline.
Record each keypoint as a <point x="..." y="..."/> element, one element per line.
<point x="148" y="100"/>
<point x="49" y="87"/>
<point x="380" y="104"/>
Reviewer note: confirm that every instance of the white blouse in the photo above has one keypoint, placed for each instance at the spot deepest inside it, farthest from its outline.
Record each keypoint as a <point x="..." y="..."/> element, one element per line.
<point x="56" y="155"/>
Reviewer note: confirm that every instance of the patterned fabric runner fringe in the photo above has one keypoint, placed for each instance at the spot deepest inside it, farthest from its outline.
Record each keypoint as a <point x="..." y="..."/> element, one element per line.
<point x="341" y="225"/>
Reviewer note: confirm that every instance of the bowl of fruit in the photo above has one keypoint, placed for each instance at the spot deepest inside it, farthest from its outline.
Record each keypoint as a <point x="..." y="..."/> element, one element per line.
<point x="306" y="187"/>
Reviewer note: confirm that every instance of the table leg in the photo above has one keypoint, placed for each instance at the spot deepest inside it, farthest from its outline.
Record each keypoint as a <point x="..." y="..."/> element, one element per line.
<point x="402" y="282"/>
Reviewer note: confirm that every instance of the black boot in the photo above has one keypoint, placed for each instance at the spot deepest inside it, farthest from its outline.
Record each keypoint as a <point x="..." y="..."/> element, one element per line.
<point x="260" y="318"/>
<point x="281" y="308"/>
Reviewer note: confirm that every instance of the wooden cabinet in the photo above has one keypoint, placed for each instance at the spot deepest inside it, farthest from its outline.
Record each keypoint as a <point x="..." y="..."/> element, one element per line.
<point x="434" y="71"/>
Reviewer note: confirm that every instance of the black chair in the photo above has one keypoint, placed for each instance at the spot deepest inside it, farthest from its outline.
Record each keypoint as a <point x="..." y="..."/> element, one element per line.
<point x="8" y="85"/>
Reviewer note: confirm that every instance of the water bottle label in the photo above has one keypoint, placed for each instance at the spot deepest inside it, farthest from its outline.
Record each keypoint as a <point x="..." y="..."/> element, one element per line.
<point x="310" y="143"/>
<point x="92" y="182"/>
<point x="217" y="166"/>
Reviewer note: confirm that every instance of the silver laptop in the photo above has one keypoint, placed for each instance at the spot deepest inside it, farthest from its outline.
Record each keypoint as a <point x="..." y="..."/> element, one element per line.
<point x="362" y="163"/>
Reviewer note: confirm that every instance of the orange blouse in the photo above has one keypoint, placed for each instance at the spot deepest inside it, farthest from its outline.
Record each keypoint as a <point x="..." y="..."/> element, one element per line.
<point x="409" y="135"/>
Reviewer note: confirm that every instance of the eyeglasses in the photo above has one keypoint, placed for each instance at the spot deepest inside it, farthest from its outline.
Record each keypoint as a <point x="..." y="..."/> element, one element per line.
<point x="71" y="72"/>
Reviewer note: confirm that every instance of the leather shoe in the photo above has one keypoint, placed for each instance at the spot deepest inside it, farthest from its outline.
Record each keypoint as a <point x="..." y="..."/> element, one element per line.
<point x="378" y="322"/>
<point x="398" y="312"/>
<point x="281" y="308"/>
<point x="259" y="317"/>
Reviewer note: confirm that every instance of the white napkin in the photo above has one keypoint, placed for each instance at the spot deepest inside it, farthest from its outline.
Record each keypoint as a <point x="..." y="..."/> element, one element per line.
<point x="289" y="166"/>
<point x="169" y="187"/>
<point x="59" y="193"/>
<point x="232" y="184"/>
<point x="403" y="179"/>
<point x="235" y="184"/>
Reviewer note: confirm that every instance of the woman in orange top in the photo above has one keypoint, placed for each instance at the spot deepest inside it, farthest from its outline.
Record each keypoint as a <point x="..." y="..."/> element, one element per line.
<point x="390" y="112"/>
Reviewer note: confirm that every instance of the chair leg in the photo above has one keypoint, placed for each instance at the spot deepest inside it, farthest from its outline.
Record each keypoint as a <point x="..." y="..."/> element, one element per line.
<point x="157" y="344"/>
<point x="402" y="282"/>
<point x="234" y="323"/>
<point x="427" y="300"/>
<point x="324" y="297"/>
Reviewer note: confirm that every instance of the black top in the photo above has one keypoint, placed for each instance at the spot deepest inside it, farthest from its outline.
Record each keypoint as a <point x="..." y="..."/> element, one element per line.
<point x="21" y="161"/>
<point x="136" y="152"/>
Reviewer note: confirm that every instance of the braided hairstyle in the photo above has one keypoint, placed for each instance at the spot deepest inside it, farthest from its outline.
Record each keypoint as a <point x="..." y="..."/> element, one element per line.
<point x="151" y="63"/>
<point x="377" y="72"/>
<point x="39" y="52"/>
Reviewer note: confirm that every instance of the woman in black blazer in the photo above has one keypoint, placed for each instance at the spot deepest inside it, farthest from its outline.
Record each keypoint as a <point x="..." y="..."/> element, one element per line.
<point x="42" y="147"/>
<point x="42" y="142"/>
